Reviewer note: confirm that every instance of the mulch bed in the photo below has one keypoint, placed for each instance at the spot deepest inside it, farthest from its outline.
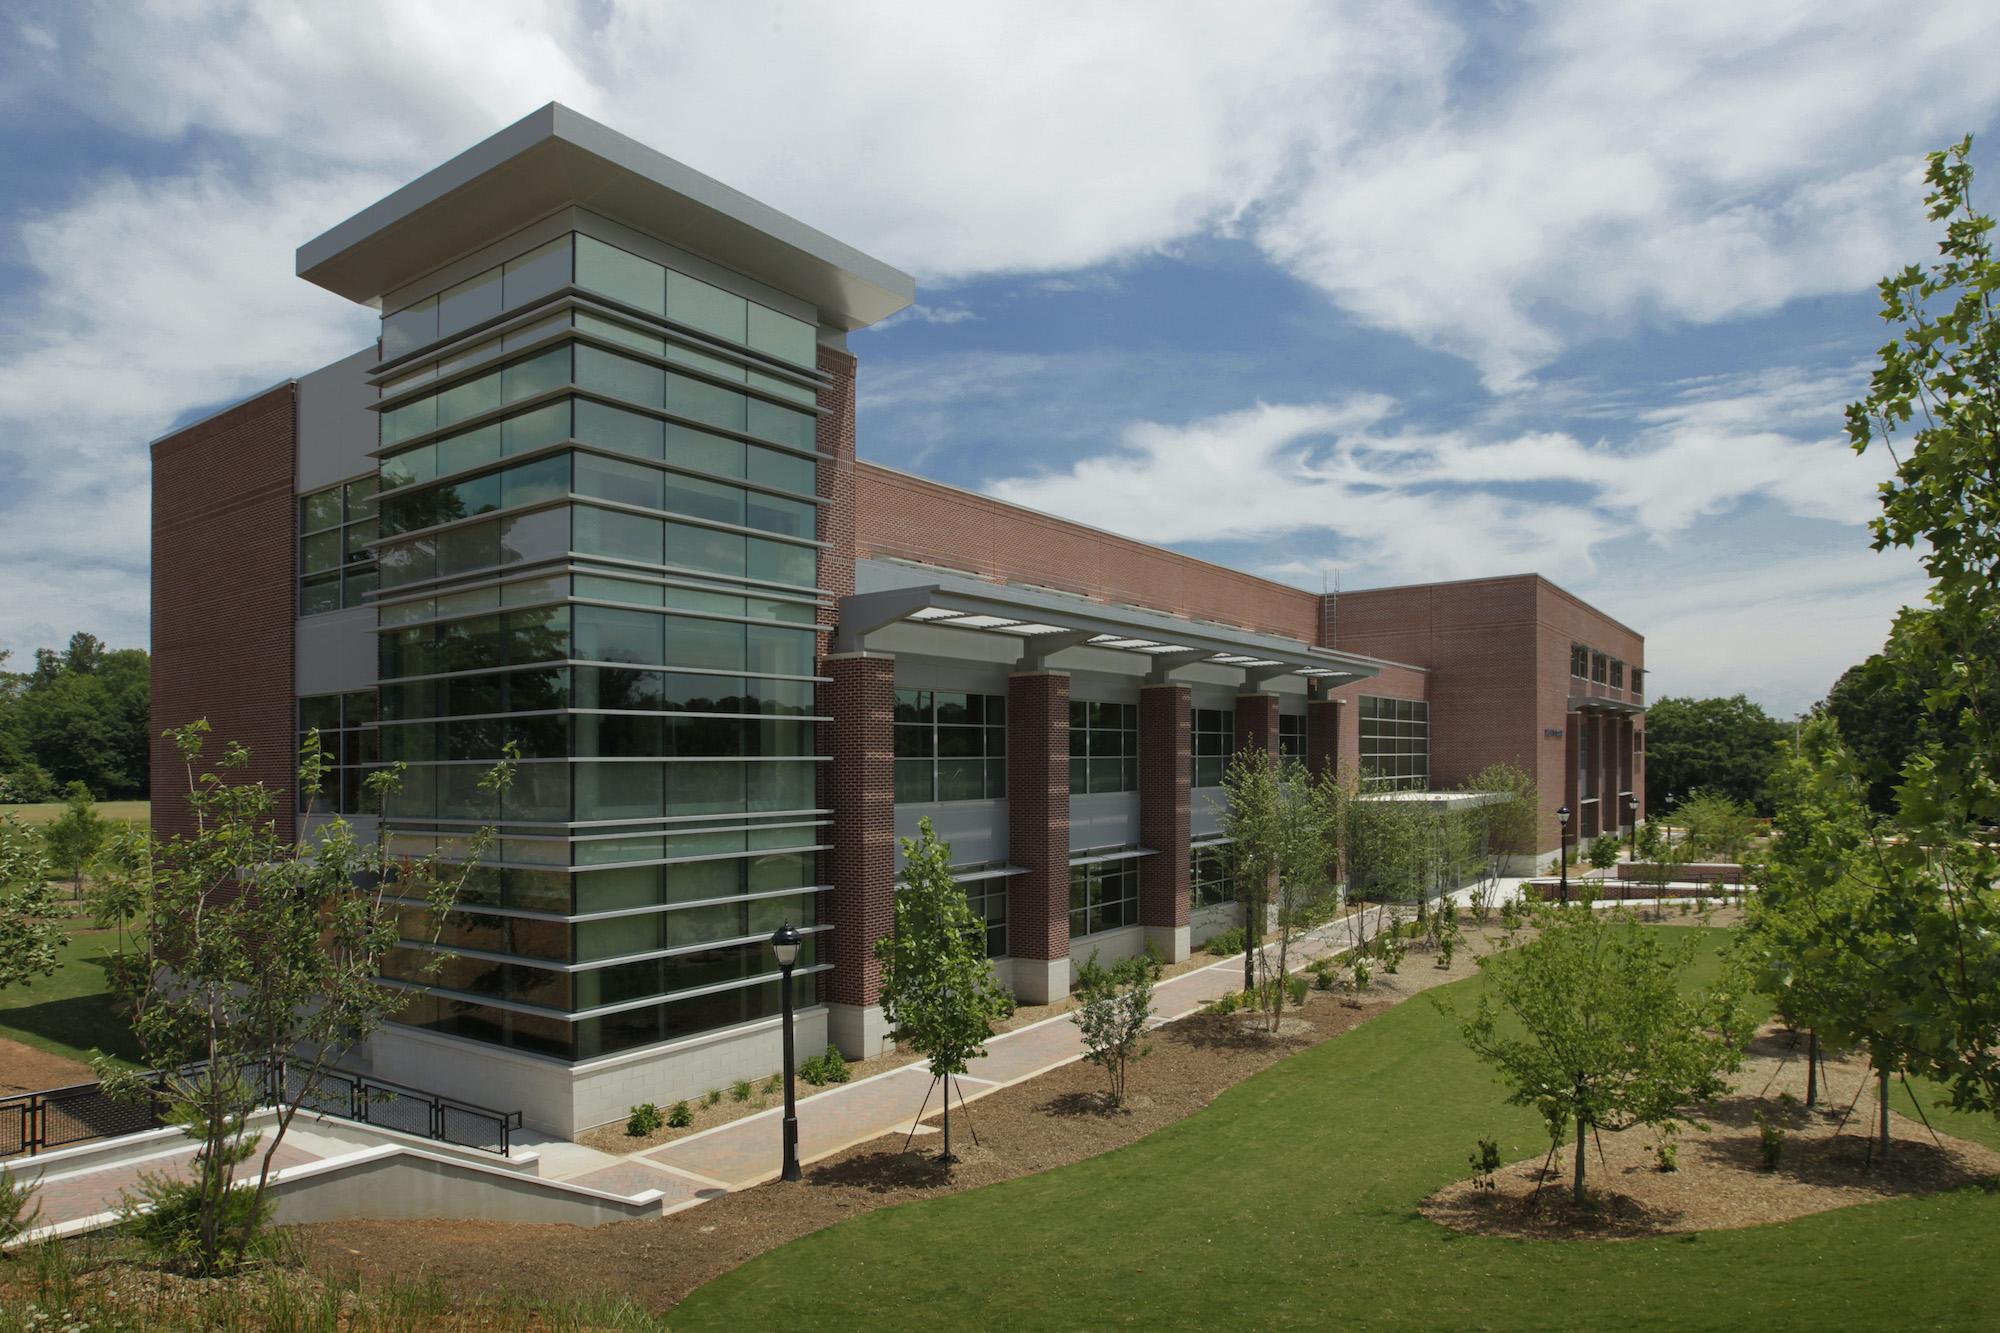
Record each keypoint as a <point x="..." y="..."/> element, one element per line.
<point x="25" y="1069"/>
<point x="1052" y="1120"/>
<point x="1721" y="1182"/>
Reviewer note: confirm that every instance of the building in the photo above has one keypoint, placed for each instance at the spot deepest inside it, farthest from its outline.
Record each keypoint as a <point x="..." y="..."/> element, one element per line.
<point x="595" y="492"/>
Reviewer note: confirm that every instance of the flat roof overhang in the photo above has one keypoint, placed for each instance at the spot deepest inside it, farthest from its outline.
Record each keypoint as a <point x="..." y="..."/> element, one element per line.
<point x="555" y="158"/>
<point x="1590" y="703"/>
<point x="1048" y="623"/>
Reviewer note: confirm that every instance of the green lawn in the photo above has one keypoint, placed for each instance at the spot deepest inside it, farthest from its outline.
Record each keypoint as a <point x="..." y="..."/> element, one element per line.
<point x="43" y="812"/>
<point x="1290" y="1202"/>
<point x="72" y="1011"/>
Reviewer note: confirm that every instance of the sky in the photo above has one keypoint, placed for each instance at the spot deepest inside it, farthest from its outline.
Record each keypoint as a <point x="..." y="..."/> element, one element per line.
<point x="1342" y="294"/>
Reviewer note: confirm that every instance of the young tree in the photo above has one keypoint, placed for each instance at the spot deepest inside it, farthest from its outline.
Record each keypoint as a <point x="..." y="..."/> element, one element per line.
<point x="1604" y="851"/>
<point x="121" y="877"/>
<point x="938" y="991"/>
<point x="1285" y="827"/>
<point x="1386" y="856"/>
<point x="1935" y="907"/>
<point x="263" y="955"/>
<point x="1113" y="1005"/>
<point x="1719" y="827"/>
<point x="1513" y="818"/>
<point x="76" y="835"/>
<point x="28" y="925"/>
<point x="1600" y="1035"/>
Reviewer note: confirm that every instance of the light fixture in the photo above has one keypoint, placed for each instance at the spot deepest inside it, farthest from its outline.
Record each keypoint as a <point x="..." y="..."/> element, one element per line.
<point x="785" y="942"/>
<point x="785" y="946"/>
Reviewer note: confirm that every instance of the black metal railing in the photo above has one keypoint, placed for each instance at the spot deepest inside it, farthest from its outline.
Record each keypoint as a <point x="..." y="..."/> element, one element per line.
<point x="38" y="1122"/>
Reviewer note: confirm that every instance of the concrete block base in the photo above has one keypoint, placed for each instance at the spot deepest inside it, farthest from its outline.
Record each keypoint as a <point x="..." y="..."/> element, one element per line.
<point x="1172" y="943"/>
<point x="1040" y="980"/>
<point x="859" y="1030"/>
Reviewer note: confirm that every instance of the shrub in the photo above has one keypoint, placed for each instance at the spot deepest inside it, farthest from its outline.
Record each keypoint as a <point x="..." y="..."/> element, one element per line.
<point x="1668" y="1155"/>
<point x="1296" y="988"/>
<point x="1221" y="1005"/>
<point x="1363" y="976"/>
<point x="1770" y="1140"/>
<point x="1484" y="1160"/>
<point x="645" y="1118"/>
<point x="18" y="1210"/>
<point x="1604" y="851"/>
<point x="679" y="1116"/>
<point x="1325" y="974"/>
<point x="739" y="1091"/>
<point x="1228" y="942"/>
<point x="774" y="1085"/>
<point x="711" y="1097"/>
<point x="1113" y="1006"/>
<point x="166" y="1221"/>
<point x="829" y="1067"/>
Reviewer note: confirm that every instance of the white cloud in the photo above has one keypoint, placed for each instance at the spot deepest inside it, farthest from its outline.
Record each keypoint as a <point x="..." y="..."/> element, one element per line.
<point x="926" y="314"/>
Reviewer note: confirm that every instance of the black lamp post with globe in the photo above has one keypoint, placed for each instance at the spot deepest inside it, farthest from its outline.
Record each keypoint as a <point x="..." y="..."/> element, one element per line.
<point x="785" y="945"/>
<point x="1562" y="850"/>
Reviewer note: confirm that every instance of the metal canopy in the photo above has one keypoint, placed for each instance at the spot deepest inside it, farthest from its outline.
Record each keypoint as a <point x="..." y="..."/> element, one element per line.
<point x="1592" y="703"/>
<point x="1048" y="623"/>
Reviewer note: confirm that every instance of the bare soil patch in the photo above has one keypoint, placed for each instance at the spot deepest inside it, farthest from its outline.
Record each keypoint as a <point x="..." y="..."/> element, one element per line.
<point x="1721" y="1182"/>
<point x="25" y="1069"/>
<point x="1052" y="1120"/>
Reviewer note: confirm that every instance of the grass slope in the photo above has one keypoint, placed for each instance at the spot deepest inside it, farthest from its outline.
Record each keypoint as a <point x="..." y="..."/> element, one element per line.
<point x="1290" y="1201"/>
<point x="71" y="1012"/>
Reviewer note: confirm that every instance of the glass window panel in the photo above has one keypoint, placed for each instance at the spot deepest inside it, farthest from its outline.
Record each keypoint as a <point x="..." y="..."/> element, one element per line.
<point x="786" y="471"/>
<point x="469" y="399"/>
<point x="710" y="309"/>
<point x="626" y="483"/>
<point x="781" y="336"/>
<point x="620" y="376"/>
<point x="704" y="549"/>
<point x="610" y="790"/>
<point x="702" y="361"/>
<point x="405" y="469"/>
<point x="320" y="552"/>
<point x="531" y="483"/>
<point x="543" y="270"/>
<point x="623" y="334"/>
<point x="410" y="328"/>
<point x="801" y="394"/>
<point x="776" y="562"/>
<point x="462" y="550"/>
<point x="537" y="374"/>
<point x="414" y="418"/>
<point x="698" y="449"/>
<point x="625" y="277"/>
<point x="542" y="535"/>
<point x="606" y="635"/>
<point x="620" y="536"/>
<point x="781" y="425"/>
<point x="704" y="788"/>
<point x="319" y="510"/>
<point x="715" y="644"/>
<point x="705" y="499"/>
<point x="779" y="652"/>
<point x="613" y="428"/>
<point x="789" y="518"/>
<point x="780" y="785"/>
<point x="532" y="430"/>
<point x="707" y="403"/>
<point x="471" y="302"/>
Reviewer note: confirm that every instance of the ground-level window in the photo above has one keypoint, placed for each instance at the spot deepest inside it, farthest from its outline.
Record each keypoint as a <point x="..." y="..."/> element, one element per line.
<point x="1103" y="897"/>
<point x="950" y="746"/>
<point x="1208" y="876"/>
<point x="1395" y="744"/>
<point x="1103" y="747"/>
<point x="1210" y="734"/>
<point x="348" y="739"/>
<point x="1292" y="736"/>
<point x="988" y="900"/>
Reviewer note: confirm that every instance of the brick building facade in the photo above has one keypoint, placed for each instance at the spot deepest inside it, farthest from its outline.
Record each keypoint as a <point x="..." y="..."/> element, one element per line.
<point x="595" y="490"/>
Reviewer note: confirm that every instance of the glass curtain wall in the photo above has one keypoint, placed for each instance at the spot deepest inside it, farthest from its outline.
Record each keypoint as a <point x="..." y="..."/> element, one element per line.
<point x="599" y="544"/>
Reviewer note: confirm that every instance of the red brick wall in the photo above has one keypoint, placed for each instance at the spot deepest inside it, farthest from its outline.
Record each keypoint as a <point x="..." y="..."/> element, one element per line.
<point x="1163" y="804"/>
<point x="861" y="699"/>
<point x="1323" y="732"/>
<point x="1257" y="723"/>
<point x="1038" y="814"/>
<point x="225" y="598"/>
<point x="912" y="519"/>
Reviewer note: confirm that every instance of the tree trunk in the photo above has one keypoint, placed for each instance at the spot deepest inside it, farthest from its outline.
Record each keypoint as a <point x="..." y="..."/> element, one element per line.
<point x="1251" y="938"/>
<point x="1883" y="1094"/>
<point x="1576" y="1186"/>
<point x="1812" y="1067"/>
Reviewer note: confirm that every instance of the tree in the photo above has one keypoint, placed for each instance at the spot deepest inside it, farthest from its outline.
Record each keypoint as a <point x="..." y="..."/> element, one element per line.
<point x="1726" y="745"/>
<point x="75" y="837"/>
<point x="1604" y="851"/>
<point x="1598" y="1034"/>
<point x="938" y="991"/>
<point x="28" y="925"/>
<point x="263" y="955"/>
<point x="1113" y="1005"/>
<point x="1513" y="818"/>
<point x="1718" y="827"/>
<point x="1286" y="830"/>
<point x="1933" y="405"/>
<point x="121" y="882"/>
<point x="1386" y="855"/>
<point x="1881" y="715"/>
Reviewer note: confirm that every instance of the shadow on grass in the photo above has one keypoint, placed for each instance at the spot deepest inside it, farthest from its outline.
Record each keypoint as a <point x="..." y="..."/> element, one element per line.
<point x="80" y="1022"/>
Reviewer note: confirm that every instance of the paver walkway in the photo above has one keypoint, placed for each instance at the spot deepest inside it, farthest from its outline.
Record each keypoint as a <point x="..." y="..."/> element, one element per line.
<point x="747" y="1151"/>
<point x="70" y="1196"/>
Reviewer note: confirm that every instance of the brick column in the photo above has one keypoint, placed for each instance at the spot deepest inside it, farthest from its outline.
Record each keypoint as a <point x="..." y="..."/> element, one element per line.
<point x="1038" y="834"/>
<point x="1572" y="788"/>
<point x="862" y="794"/>
<point x="1257" y="723"/>
<point x="1323" y="728"/>
<point x="1164" y="882"/>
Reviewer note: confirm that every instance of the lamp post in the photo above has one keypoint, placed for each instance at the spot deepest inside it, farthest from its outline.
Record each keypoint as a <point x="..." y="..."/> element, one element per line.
<point x="1562" y="850"/>
<point x="785" y="945"/>
<point x="1632" y="822"/>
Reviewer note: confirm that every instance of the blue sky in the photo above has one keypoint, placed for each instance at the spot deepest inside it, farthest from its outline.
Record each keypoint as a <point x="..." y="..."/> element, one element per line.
<point x="1366" y="293"/>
